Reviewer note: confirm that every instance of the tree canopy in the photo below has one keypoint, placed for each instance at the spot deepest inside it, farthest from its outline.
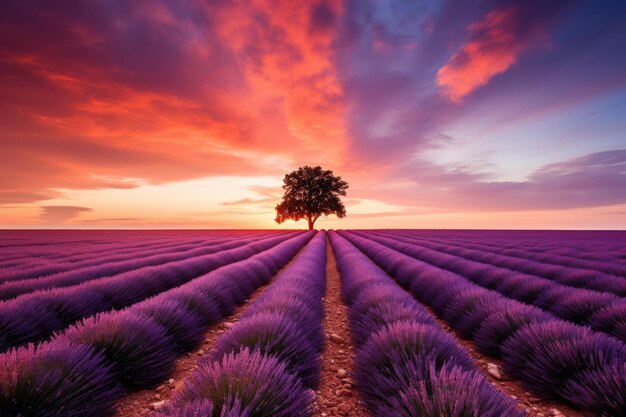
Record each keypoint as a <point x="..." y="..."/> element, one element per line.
<point x="311" y="192"/>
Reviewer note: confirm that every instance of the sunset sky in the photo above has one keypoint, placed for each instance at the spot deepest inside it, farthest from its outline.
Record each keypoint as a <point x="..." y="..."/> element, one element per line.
<point x="188" y="113"/>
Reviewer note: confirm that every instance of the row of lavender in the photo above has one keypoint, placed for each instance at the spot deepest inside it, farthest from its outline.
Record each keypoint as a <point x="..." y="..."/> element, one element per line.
<point x="590" y="244"/>
<point x="554" y="358"/>
<point x="268" y="362"/>
<point x="69" y="252"/>
<point x="42" y="257"/>
<point x="544" y="263"/>
<point x="29" y="268"/>
<point x="83" y="370"/>
<point x="105" y="267"/>
<point x="601" y="311"/>
<point x="35" y="316"/>
<point x="602" y="276"/>
<point x="406" y="365"/>
<point x="46" y="246"/>
<point x="30" y="263"/>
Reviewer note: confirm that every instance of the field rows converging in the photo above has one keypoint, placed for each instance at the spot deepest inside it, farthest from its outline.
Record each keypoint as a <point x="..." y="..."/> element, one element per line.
<point x="116" y="256"/>
<point x="34" y="260"/>
<point x="101" y="358"/>
<point x="109" y="268"/>
<point x="585" y="259"/>
<point x="578" y="246"/>
<point x="598" y="310"/>
<point x="402" y="353"/>
<point x="64" y="247"/>
<point x="52" y="310"/>
<point x="554" y="358"/>
<point x="360" y="323"/>
<point x="141" y="401"/>
<point x="268" y="362"/>
<point x="569" y="276"/>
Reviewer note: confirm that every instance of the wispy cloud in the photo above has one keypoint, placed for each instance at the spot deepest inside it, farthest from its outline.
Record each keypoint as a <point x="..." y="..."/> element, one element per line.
<point x="248" y="201"/>
<point x="61" y="214"/>
<point x="495" y="44"/>
<point x="108" y="99"/>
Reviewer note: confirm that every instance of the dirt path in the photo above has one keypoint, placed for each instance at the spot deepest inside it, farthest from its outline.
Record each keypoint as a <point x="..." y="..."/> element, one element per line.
<point x="336" y="395"/>
<point x="140" y="403"/>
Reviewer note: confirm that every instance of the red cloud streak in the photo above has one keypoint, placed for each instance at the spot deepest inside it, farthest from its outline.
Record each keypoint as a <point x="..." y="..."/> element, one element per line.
<point x="112" y="108"/>
<point x="496" y="43"/>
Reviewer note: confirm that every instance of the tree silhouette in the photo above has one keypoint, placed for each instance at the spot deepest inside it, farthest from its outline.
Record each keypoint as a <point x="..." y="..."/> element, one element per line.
<point x="311" y="193"/>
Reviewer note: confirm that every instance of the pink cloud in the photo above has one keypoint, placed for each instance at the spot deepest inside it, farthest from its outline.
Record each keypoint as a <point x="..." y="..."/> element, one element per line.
<point x="495" y="44"/>
<point x="98" y="95"/>
<point x="61" y="214"/>
<point x="593" y="180"/>
<point x="210" y="92"/>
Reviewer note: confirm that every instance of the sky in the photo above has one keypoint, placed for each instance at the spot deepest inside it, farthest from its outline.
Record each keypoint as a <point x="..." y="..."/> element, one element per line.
<point x="188" y="113"/>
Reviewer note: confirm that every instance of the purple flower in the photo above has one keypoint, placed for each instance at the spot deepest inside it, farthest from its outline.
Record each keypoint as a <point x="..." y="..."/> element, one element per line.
<point x="183" y="327"/>
<point x="469" y="308"/>
<point x="384" y="363"/>
<point x="278" y="336"/>
<point x="306" y="317"/>
<point x="56" y="379"/>
<point x="611" y="320"/>
<point x="260" y="383"/>
<point x="21" y="322"/>
<point x="199" y="302"/>
<point x="139" y="349"/>
<point x="382" y="316"/>
<point x="554" y="354"/>
<point x="601" y="390"/>
<point x="498" y="327"/>
<point x="579" y="305"/>
<point x="450" y="392"/>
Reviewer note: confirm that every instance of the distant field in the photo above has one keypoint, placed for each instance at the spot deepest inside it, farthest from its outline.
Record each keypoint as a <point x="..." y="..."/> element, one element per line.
<point x="391" y="323"/>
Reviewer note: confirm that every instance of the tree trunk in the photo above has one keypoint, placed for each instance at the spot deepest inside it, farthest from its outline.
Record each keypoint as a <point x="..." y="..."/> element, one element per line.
<point x="311" y="221"/>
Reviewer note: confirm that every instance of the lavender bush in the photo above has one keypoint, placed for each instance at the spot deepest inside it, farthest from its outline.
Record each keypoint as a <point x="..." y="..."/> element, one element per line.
<point x="181" y="324"/>
<point x="135" y="350"/>
<point x="278" y="336"/>
<point x="140" y="350"/>
<point x="259" y="383"/>
<point x="114" y="292"/>
<point x="535" y="339"/>
<point x="437" y="393"/>
<point x="56" y="379"/>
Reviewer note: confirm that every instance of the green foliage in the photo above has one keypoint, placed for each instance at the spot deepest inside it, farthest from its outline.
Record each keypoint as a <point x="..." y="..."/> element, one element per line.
<point x="311" y="193"/>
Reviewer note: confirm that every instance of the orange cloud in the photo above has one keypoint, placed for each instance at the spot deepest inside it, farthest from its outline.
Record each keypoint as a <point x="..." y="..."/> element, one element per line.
<point x="246" y="88"/>
<point x="285" y="50"/>
<point x="250" y="105"/>
<point x="60" y="214"/>
<point x="496" y="44"/>
<point x="151" y="114"/>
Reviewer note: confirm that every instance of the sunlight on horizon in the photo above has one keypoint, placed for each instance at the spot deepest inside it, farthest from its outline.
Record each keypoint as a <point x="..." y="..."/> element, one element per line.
<point x="490" y="115"/>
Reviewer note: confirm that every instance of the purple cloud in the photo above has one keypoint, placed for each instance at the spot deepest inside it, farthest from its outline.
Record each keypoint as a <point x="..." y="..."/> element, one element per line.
<point x="594" y="180"/>
<point x="61" y="214"/>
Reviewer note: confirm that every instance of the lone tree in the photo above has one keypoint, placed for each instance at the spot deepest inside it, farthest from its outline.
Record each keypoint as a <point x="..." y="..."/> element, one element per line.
<point x="310" y="193"/>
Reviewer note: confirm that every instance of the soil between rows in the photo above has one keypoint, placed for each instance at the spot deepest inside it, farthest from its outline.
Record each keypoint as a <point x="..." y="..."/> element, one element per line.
<point x="337" y="395"/>
<point x="532" y="404"/>
<point x="140" y="403"/>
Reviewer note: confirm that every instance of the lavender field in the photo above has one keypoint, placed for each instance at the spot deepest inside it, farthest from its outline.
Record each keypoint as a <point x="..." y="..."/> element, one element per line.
<point x="389" y="323"/>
